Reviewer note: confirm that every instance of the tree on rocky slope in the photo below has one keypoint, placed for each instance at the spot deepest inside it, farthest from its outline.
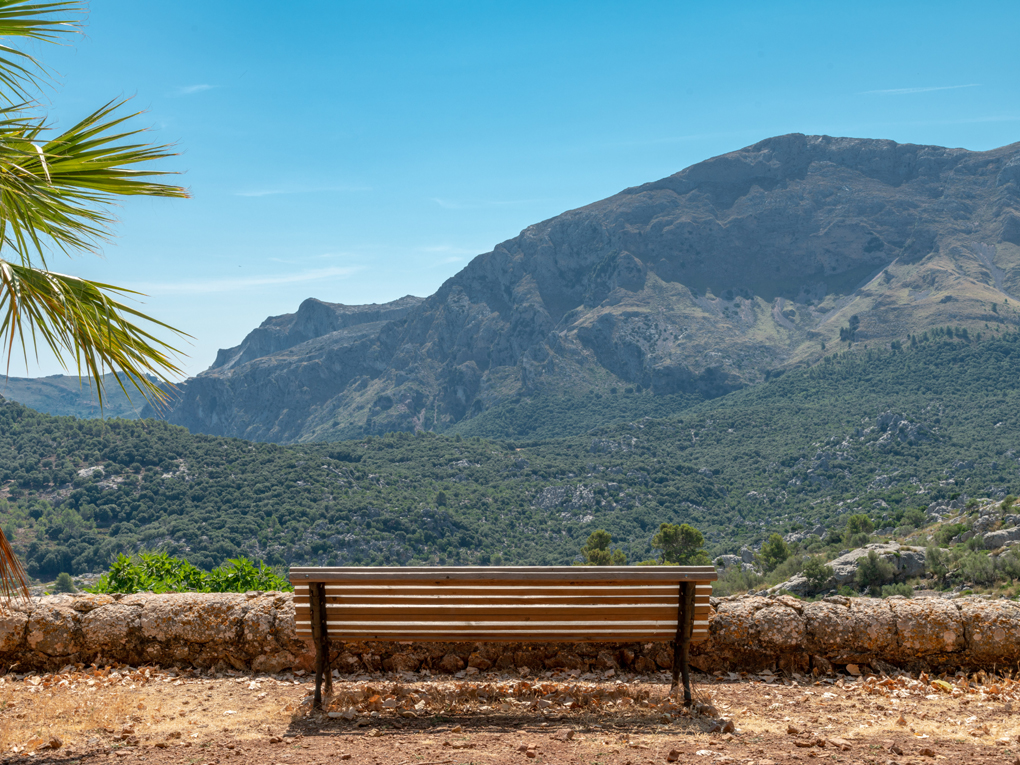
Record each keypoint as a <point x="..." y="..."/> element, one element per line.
<point x="680" y="544"/>
<point x="56" y="188"/>
<point x="596" y="550"/>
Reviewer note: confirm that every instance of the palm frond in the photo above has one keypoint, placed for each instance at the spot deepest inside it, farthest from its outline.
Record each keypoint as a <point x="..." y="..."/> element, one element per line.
<point x="82" y="319"/>
<point x="12" y="576"/>
<point x="46" y="22"/>
<point x="54" y="193"/>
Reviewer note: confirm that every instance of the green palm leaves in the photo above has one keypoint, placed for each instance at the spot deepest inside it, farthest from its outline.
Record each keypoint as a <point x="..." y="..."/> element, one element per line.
<point x="55" y="194"/>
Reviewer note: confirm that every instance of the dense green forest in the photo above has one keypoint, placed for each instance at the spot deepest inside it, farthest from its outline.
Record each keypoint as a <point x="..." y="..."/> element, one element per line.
<point x="873" y="431"/>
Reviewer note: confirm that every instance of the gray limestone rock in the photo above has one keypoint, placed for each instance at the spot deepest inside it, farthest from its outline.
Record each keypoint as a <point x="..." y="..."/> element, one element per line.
<point x="908" y="563"/>
<point x="699" y="283"/>
<point x="995" y="539"/>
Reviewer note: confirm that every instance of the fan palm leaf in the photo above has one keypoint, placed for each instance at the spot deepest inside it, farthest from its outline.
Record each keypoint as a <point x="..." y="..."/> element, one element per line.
<point x="83" y="320"/>
<point x="56" y="188"/>
<point x="20" y="72"/>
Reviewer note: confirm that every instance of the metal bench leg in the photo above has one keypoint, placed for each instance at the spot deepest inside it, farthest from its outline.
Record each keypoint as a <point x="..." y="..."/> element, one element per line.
<point x="320" y="635"/>
<point x="682" y="642"/>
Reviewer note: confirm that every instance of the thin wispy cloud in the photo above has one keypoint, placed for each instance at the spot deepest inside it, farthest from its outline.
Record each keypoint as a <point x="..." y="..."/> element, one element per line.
<point x="298" y="190"/>
<point x="448" y="249"/>
<point x="313" y="258"/>
<point x="449" y="204"/>
<point x="190" y="90"/>
<point x="235" y="284"/>
<point x="908" y="91"/>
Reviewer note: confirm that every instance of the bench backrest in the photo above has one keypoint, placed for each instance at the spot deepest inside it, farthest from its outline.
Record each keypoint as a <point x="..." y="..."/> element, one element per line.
<point x="504" y="604"/>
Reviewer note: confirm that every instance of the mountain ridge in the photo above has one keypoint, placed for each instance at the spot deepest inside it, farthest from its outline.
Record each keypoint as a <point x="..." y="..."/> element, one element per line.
<point x="698" y="284"/>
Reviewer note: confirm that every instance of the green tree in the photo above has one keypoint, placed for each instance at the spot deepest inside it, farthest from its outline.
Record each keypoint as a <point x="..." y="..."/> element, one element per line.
<point x="915" y="517"/>
<point x="681" y="545"/>
<point x="596" y="551"/>
<point x="817" y="572"/>
<point x="936" y="560"/>
<point x="56" y="188"/>
<point x="773" y="552"/>
<point x="873" y="571"/>
<point x="857" y="524"/>
<point x="64" y="583"/>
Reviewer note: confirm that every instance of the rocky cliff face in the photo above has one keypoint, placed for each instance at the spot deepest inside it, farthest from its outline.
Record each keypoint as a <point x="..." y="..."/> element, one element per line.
<point x="704" y="281"/>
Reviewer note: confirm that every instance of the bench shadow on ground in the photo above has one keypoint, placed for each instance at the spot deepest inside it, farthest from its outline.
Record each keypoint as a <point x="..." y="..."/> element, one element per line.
<point x="632" y="720"/>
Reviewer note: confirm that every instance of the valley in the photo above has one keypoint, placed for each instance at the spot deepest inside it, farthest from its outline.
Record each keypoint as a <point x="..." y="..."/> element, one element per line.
<point x="775" y="339"/>
<point x="874" y="432"/>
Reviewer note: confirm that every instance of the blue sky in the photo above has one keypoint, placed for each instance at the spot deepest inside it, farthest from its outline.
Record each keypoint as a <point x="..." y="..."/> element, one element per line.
<point x="358" y="152"/>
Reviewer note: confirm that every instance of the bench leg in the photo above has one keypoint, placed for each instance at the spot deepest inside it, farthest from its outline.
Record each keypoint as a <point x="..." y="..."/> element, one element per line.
<point x="320" y="636"/>
<point x="682" y="642"/>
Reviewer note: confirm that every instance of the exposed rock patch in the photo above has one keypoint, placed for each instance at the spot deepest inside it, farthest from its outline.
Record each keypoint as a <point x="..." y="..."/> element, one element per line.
<point x="906" y="561"/>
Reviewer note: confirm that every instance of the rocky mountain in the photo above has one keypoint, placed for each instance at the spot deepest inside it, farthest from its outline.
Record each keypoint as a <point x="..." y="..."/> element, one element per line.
<point x="706" y="281"/>
<point x="68" y="395"/>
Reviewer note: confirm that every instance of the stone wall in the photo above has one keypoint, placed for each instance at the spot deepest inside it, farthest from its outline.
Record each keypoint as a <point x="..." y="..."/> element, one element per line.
<point x="255" y="631"/>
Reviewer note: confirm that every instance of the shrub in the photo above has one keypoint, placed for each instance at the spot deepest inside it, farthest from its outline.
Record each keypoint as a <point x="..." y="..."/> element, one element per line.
<point x="978" y="568"/>
<point x="788" y="568"/>
<point x="936" y="561"/>
<point x="773" y="552"/>
<point x="1008" y="565"/>
<point x="901" y="588"/>
<point x="817" y="572"/>
<point x="915" y="517"/>
<point x="733" y="581"/>
<point x="159" y="572"/>
<point x="64" y="583"/>
<point x="949" y="532"/>
<point x="858" y="540"/>
<point x="856" y="524"/>
<point x="873" y="571"/>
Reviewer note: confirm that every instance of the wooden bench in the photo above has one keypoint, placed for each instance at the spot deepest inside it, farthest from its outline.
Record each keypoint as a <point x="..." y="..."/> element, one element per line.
<point x="528" y="604"/>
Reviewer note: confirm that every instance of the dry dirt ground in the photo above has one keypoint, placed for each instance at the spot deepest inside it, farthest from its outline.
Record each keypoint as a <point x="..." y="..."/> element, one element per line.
<point x="126" y="715"/>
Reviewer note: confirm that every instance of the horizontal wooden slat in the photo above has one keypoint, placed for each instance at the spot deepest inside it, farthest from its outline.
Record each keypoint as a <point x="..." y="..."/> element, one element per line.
<point x="402" y="603"/>
<point x="578" y="614"/>
<point x="501" y="585"/>
<point x="531" y="638"/>
<point x="526" y="588"/>
<point x="452" y="586"/>
<point x="343" y="629"/>
<point x="662" y="593"/>
<point x="464" y="637"/>
<point x="560" y="574"/>
<point x="488" y="590"/>
<point x="602" y="595"/>
<point x="589" y="616"/>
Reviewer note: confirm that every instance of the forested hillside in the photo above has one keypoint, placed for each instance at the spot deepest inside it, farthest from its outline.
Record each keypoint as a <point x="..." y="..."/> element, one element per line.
<point x="868" y="431"/>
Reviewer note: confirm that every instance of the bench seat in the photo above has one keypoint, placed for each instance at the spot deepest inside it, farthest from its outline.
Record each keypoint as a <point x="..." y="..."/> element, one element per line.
<point x="504" y="604"/>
